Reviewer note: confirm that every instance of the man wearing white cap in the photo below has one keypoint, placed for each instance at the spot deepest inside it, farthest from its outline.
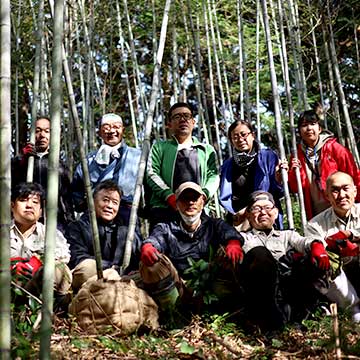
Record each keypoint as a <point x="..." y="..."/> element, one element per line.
<point x="114" y="160"/>
<point x="166" y="253"/>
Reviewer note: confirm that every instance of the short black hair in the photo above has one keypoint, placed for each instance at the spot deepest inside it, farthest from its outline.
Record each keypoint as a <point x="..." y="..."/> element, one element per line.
<point x="107" y="185"/>
<point x="24" y="189"/>
<point x="239" y="122"/>
<point x="43" y="117"/>
<point x="308" y="116"/>
<point x="179" y="105"/>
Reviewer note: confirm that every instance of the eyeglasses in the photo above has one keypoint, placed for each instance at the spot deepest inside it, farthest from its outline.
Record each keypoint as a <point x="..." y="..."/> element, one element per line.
<point x="186" y="116"/>
<point x="257" y="209"/>
<point x="239" y="136"/>
<point x="108" y="127"/>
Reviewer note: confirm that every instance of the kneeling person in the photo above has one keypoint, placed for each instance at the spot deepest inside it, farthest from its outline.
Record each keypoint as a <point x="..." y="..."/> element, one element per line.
<point x="27" y="241"/>
<point x="112" y="234"/>
<point x="165" y="254"/>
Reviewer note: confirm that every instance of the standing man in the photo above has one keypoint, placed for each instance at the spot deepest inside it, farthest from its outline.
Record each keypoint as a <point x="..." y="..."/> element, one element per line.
<point x="338" y="227"/>
<point x="319" y="155"/>
<point x="107" y="197"/>
<point x="175" y="161"/>
<point x="113" y="160"/>
<point x="27" y="241"/>
<point x="40" y="151"/>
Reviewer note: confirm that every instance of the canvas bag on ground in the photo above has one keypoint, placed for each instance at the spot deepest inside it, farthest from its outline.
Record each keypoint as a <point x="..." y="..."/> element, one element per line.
<point x="113" y="302"/>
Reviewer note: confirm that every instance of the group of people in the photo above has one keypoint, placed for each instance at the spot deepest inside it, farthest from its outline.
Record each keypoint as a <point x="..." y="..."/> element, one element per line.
<point x="278" y="274"/>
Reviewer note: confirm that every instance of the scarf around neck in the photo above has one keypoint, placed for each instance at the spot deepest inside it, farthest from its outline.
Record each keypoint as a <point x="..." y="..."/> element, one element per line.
<point x="243" y="159"/>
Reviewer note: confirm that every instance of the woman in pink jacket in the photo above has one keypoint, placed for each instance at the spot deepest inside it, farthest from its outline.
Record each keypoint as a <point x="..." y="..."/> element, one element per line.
<point x="319" y="155"/>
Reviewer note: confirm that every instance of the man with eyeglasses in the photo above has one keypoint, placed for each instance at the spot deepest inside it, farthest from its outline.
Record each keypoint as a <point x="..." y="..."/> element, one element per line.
<point x="114" y="160"/>
<point x="278" y="270"/>
<point x="177" y="160"/>
<point x="338" y="228"/>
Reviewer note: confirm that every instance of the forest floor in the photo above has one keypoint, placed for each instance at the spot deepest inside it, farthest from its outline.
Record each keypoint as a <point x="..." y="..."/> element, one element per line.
<point x="208" y="337"/>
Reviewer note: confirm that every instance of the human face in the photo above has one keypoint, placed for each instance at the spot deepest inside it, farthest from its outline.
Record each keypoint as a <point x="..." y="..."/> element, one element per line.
<point x="181" y="123"/>
<point x="107" y="204"/>
<point x="190" y="203"/>
<point x="42" y="135"/>
<point x="27" y="211"/>
<point x="262" y="215"/>
<point x="111" y="132"/>
<point x="242" y="138"/>
<point x="341" y="193"/>
<point x="310" y="132"/>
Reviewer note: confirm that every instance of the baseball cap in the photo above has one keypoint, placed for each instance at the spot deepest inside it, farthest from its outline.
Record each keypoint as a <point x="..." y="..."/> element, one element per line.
<point x="186" y="186"/>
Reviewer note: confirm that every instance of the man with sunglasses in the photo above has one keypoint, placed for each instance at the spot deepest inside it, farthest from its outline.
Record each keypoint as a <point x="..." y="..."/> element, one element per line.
<point x="177" y="160"/>
<point x="114" y="160"/>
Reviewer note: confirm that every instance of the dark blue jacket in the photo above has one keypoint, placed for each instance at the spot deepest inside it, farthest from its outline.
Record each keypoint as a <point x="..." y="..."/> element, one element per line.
<point x="267" y="161"/>
<point x="178" y="245"/>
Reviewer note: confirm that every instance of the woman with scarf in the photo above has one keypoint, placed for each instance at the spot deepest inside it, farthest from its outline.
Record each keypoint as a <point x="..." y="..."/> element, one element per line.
<point x="250" y="168"/>
<point x="319" y="156"/>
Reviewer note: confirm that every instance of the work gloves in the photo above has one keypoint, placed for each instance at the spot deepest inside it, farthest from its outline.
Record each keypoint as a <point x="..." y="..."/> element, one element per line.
<point x="171" y="201"/>
<point x="234" y="251"/>
<point x="29" y="150"/>
<point x="149" y="254"/>
<point x="340" y="244"/>
<point x="319" y="256"/>
<point x="25" y="267"/>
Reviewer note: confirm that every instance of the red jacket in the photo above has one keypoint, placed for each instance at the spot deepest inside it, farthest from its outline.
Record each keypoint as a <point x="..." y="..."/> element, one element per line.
<point x="333" y="157"/>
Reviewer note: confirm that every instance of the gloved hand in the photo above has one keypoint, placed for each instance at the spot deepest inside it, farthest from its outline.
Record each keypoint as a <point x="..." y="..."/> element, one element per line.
<point x="29" y="150"/>
<point x="149" y="254"/>
<point x="234" y="251"/>
<point x="319" y="256"/>
<point x="35" y="263"/>
<point x="335" y="240"/>
<point x="171" y="201"/>
<point x="21" y="266"/>
<point x="347" y="248"/>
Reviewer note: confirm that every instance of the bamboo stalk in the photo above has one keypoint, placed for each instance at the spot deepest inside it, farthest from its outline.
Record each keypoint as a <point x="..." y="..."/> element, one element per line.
<point x="36" y="85"/>
<point x="5" y="177"/>
<point x="277" y="113"/>
<point x="146" y="142"/>
<point x="334" y="314"/>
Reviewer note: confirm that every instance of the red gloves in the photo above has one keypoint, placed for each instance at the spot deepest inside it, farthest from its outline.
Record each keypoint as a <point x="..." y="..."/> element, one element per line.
<point x="26" y="267"/>
<point x="319" y="256"/>
<point x="149" y="254"/>
<point x="171" y="200"/>
<point x="29" y="150"/>
<point x="339" y="242"/>
<point x="234" y="251"/>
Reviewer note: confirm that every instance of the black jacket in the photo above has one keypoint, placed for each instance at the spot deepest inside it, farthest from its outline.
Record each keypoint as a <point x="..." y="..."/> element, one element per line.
<point x="112" y="243"/>
<point x="171" y="240"/>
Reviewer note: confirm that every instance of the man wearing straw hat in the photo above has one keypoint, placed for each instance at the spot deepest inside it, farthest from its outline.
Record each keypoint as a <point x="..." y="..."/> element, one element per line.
<point x="113" y="160"/>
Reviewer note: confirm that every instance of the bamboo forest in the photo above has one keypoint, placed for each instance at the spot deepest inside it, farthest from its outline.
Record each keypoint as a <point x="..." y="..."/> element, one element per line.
<point x="253" y="79"/>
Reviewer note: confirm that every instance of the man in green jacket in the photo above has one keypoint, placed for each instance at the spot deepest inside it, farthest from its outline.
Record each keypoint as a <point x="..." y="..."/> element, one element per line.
<point x="175" y="161"/>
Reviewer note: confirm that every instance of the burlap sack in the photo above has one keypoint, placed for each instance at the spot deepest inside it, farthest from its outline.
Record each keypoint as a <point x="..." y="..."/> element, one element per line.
<point x="113" y="302"/>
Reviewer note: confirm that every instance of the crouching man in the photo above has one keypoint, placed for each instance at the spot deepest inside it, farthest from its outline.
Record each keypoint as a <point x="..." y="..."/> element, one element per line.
<point x="279" y="269"/>
<point x="338" y="228"/>
<point x="192" y="236"/>
<point x="112" y="234"/>
<point x="27" y="241"/>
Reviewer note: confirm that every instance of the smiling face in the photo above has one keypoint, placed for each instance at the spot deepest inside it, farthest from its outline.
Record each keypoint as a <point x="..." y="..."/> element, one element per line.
<point x="190" y="202"/>
<point x="26" y="210"/>
<point x="107" y="204"/>
<point x="242" y="139"/>
<point x="262" y="215"/>
<point x="310" y="132"/>
<point x="341" y="193"/>
<point x="111" y="132"/>
<point x="181" y="123"/>
<point x="42" y="135"/>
